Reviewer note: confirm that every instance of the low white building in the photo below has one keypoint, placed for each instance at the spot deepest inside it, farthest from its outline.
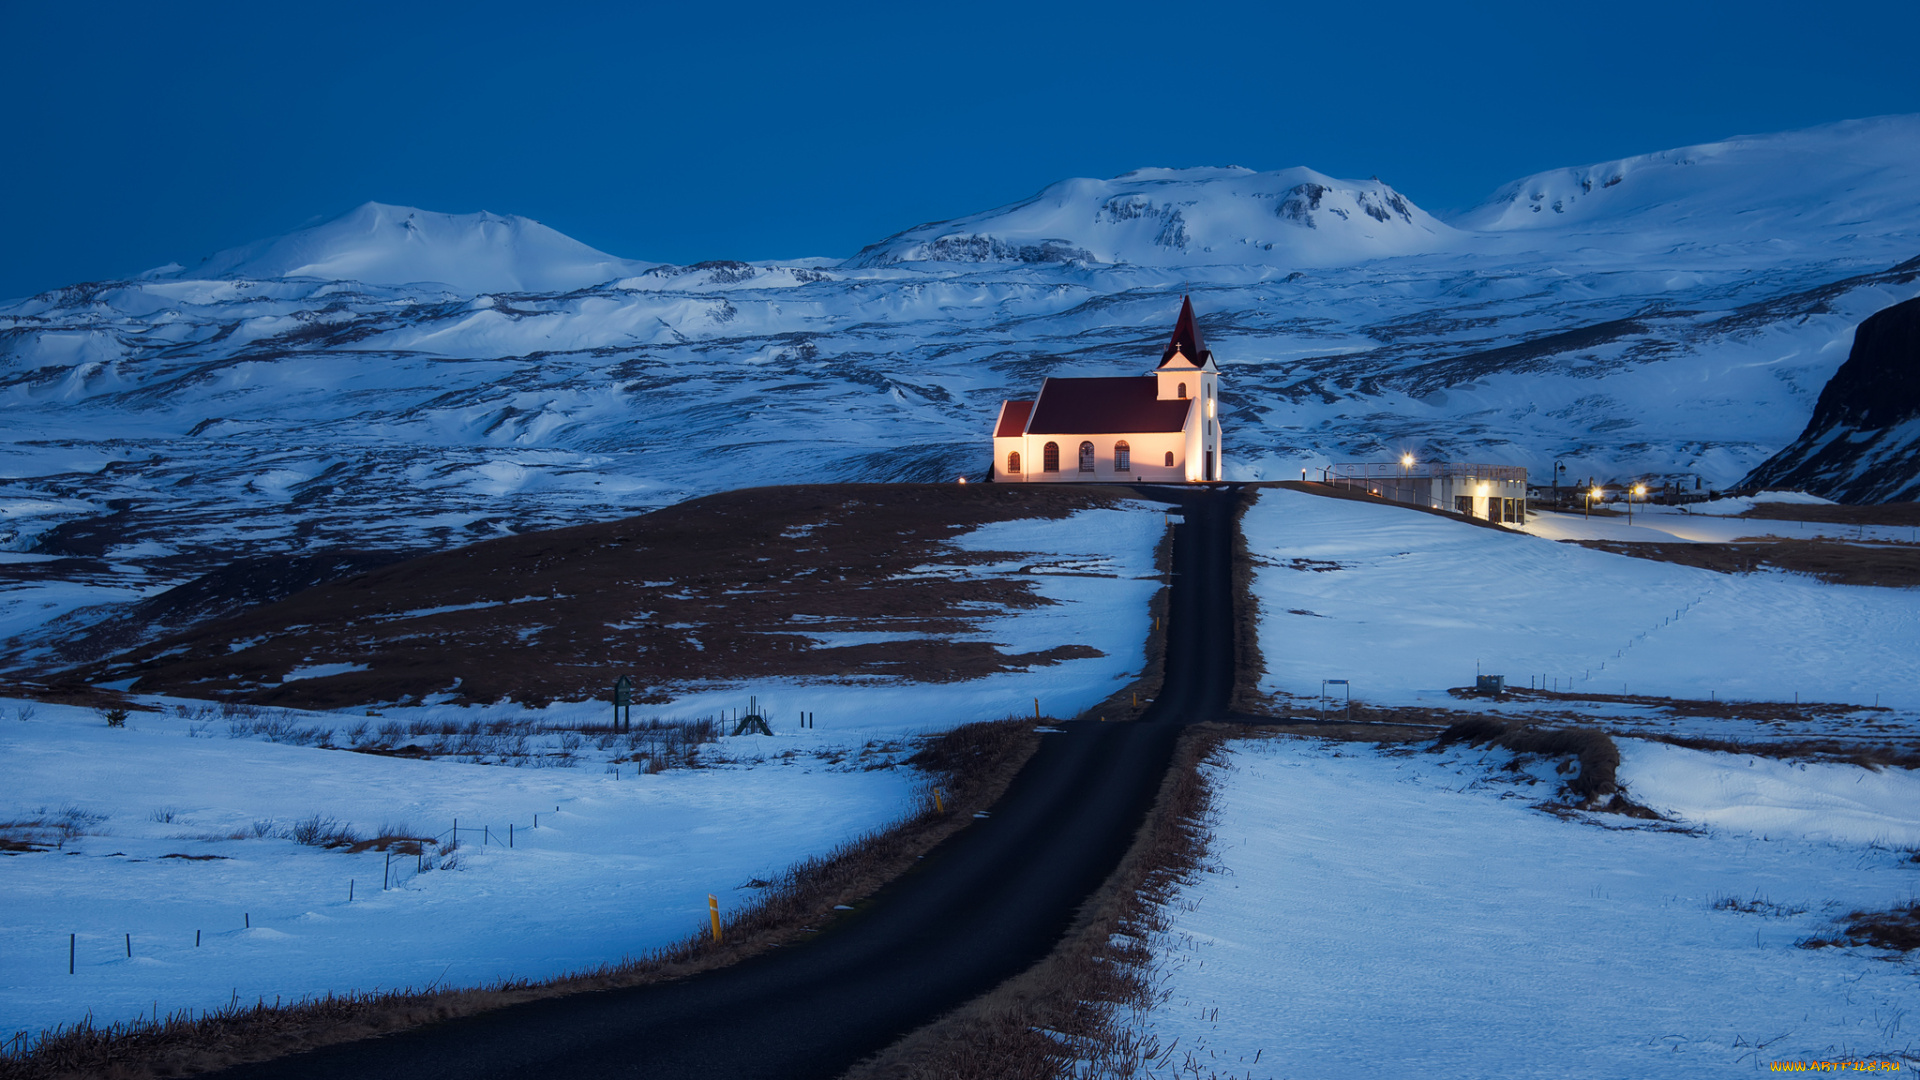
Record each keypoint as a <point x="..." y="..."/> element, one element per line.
<point x="1490" y="492"/>
<point x="1163" y="427"/>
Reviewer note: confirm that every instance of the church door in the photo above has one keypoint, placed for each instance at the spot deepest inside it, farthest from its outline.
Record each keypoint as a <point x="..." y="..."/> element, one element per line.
<point x="1086" y="457"/>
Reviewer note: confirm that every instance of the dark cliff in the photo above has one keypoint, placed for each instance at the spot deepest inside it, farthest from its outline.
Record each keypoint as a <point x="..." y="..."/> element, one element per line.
<point x="1863" y="443"/>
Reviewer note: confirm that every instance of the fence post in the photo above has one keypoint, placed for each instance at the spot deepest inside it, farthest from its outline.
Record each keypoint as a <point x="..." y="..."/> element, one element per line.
<point x="71" y="938"/>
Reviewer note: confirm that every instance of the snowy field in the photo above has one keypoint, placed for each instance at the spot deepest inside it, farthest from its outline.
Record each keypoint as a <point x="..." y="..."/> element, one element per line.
<point x="1407" y="604"/>
<point x="620" y="862"/>
<point x="1373" y="913"/>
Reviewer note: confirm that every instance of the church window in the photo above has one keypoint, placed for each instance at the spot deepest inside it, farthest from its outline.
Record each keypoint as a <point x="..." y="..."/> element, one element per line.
<point x="1122" y="457"/>
<point x="1013" y="463"/>
<point x="1169" y="459"/>
<point x="1050" y="457"/>
<point x="1086" y="457"/>
<point x="1183" y="390"/>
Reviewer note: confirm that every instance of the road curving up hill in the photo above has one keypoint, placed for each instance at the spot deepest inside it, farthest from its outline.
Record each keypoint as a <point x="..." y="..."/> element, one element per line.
<point x="982" y="907"/>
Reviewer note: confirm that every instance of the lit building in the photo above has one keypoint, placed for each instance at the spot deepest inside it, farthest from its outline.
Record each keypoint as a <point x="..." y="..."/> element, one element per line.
<point x="1489" y="492"/>
<point x="1157" y="428"/>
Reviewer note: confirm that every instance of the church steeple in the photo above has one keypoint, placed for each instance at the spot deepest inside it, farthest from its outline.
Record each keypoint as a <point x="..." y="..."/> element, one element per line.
<point x="1186" y="368"/>
<point x="1186" y="338"/>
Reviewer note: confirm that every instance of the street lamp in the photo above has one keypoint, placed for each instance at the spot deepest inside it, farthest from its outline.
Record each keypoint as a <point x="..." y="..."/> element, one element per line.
<point x="1406" y="463"/>
<point x="1638" y="491"/>
<point x="1593" y="495"/>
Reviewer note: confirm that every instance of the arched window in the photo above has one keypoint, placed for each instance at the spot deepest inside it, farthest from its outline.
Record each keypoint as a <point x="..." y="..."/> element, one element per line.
<point x="1013" y="463"/>
<point x="1086" y="457"/>
<point x="1122" y="457"/>
<point x="1169" y="459"/>
<point x="1183" y="390"/>
<point x="1050" y="457"/>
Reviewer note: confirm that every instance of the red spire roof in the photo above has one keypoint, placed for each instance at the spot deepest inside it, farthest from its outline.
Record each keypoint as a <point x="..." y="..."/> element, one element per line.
<point x="1186" y="338"/>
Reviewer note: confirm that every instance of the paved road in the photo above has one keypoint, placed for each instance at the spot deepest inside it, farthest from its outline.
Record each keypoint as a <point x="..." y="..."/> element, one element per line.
<point x="980" y="908"/>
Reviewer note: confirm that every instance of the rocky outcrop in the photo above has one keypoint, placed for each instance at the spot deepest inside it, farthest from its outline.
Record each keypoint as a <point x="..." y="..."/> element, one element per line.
<point x="1863" y="443"/>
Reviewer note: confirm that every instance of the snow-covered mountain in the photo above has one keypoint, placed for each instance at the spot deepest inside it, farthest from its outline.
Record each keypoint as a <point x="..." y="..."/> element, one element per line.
<point x="376" y="244"/>
<point x="1816" y="186"/>
<point x="1181" y="217"/>
<point x="310" y="392"/>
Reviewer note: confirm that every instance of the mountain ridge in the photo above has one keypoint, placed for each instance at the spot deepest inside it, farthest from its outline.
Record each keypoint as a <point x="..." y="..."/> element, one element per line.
<point x="160" y="428"/>
<point x="1293" y="218"/>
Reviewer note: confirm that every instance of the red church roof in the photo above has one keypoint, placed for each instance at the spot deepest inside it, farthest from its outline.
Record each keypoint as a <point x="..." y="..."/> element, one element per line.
<point x="1104" y="407"/>
<point x="1013" y="418"/>
<point x="1186" y="338"/>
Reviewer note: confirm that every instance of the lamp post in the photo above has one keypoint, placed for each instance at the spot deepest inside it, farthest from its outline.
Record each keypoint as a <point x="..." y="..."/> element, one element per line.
<point x="1637" y="491"/>
<point x="1593" y="495"/>
<point x="1406" y="464"/>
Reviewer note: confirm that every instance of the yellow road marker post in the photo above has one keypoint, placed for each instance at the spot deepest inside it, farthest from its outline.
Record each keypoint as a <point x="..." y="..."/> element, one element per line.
<point x="713" y="913"/>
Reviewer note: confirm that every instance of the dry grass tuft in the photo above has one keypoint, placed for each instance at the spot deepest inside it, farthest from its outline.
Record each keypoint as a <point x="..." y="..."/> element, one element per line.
<point x="1896" y="929"/>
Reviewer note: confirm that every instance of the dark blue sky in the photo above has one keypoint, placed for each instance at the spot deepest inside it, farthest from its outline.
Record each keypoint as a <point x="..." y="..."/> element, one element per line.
<point x="143" y="133"/>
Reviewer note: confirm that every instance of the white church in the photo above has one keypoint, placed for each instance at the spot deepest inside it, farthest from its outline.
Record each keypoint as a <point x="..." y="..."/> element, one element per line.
<point x="1158" y="428"/>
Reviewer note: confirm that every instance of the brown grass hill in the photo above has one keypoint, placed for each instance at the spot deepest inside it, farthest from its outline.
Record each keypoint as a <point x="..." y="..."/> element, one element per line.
<point x="747" y="584"/>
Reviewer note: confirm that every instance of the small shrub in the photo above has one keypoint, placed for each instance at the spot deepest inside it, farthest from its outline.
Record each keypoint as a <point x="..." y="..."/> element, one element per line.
<point x="1598" y="758"/>
<point x="115" y="717"/>
<point x="24" y="713"/>
<point x="323" y="831"/>
<point x="163" y="815"/>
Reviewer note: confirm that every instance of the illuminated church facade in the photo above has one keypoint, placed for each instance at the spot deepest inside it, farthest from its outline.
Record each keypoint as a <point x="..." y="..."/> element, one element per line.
<point x="1163" y="427"/>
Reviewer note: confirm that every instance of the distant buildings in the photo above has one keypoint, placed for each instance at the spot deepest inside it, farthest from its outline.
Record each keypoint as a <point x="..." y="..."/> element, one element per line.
<point x="1490" y="492"/>
<point x="1157" y="428"/>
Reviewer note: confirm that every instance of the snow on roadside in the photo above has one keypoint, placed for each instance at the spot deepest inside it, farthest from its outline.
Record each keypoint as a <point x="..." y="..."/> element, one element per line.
<point x="617" y="865"/>
<point x="1407" y="604"/>
<point x="1668" y="524"/>
<point x="1740" y="504"/>
<point x="1371" y="913"/>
